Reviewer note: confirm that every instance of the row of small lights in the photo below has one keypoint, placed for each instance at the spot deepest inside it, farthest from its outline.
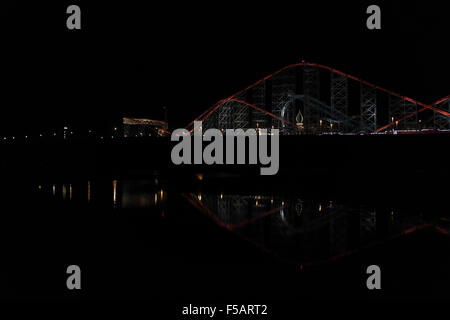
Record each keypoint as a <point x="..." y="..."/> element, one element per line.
<point x="71" y="133"/>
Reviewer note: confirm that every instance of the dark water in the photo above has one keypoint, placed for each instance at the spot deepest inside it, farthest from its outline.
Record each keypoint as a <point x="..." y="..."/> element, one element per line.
<point x="311" y="231"/>
<point x="146" y="238"/>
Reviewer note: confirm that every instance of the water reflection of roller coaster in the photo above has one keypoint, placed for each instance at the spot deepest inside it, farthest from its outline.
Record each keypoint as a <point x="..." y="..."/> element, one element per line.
<point x="309" y="98"/>
<point x="310" y="231"/>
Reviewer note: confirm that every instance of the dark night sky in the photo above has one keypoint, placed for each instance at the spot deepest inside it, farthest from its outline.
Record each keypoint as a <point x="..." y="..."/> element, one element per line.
<point x="131" y="59"/>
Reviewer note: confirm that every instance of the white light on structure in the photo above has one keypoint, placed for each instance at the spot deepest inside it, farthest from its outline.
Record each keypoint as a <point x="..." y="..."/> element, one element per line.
<point x="282" y="214"/>
<point x="115" y="192"/>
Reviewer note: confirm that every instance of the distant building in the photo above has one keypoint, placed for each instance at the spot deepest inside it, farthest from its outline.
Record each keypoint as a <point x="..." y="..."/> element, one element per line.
<point x="139" y="127"/>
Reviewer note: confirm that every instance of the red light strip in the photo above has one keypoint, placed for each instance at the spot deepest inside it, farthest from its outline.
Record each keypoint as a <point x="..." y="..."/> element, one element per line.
<point x="264" y="111"/>
<point x="445" y="113"/>
<point x="441" y="230"/>
<point x="441" y="100"/>
<point x="165" y="131"/>
<point x="214" y="108"/>
<point x="249" y="221"/>
<point x="202" y="114"/>
<point x="404" y="118"/>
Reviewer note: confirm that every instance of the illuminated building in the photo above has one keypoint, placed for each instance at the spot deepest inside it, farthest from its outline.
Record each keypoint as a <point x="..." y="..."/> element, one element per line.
<point x="139" y="127"/>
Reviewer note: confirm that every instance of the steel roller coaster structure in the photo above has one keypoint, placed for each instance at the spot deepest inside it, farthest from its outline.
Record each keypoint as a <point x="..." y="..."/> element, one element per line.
<point x="311" y="98"/>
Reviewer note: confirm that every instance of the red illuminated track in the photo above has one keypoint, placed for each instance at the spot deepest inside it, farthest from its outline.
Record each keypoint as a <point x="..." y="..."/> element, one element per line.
<point x="399" y="120"/>
<point x="424" y="106"/>
<point x="264" y="111"/>
<point x="432" y="107"/>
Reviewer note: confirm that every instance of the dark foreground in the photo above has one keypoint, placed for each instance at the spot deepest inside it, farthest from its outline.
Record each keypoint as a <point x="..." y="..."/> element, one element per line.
<point x="149" y="238"/>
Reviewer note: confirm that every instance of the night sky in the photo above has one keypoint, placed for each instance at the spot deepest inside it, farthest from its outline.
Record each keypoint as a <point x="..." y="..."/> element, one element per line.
<point x="131" y="59"/>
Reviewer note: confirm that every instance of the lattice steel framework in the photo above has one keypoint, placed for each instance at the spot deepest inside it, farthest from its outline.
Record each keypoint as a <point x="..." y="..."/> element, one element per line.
<point x="230" y="115"/>
<point x="258" y="119"/>
<point x="339" y="93"/>
<point x="442" y="122"/>
<point x="225" y="116"/>
<point x="395" y="108"/>
<point x="259" y="95"/>
<point x="241" y="115"/>
<point x="399" y="108"/>
<point x="411" y="122"/>
<point x="339" y="96"/>
<point x="311" y="88"/>
<point x="368" y="108"/>
<point x="283" y="87"/>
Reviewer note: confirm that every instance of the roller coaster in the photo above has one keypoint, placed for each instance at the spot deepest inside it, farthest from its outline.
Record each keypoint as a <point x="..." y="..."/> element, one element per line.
<point x="310" y="98"/>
